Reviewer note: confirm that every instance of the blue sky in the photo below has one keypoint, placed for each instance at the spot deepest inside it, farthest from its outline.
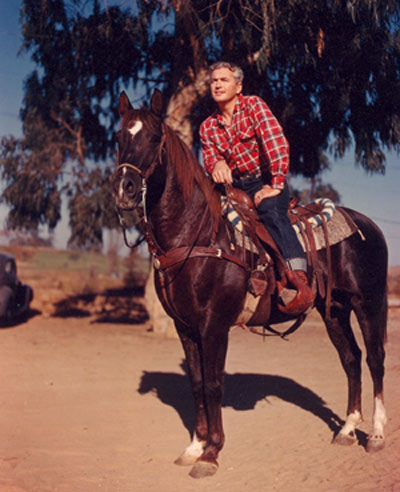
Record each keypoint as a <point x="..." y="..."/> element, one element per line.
<point x="376" y="196"/>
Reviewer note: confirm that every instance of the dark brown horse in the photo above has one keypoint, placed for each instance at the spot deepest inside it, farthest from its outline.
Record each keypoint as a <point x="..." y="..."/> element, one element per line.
<point x="202" y="283"/>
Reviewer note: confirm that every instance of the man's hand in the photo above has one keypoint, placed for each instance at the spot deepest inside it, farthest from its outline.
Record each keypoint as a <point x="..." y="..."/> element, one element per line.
<point x="266" y="192"/>
<point x="222" y="173"/>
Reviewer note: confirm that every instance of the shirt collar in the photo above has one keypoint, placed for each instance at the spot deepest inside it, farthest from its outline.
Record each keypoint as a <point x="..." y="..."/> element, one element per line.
<point x="237" y="108"/>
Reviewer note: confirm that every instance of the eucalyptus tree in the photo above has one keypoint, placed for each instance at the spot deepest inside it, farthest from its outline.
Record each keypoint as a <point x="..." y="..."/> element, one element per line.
<point x="329" y="71"/>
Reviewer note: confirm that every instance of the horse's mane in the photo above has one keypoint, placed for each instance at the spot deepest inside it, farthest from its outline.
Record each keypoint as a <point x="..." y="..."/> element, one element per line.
<point x="189" y="172"/>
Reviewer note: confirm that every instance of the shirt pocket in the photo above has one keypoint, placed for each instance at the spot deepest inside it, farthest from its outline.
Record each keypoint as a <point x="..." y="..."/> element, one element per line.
<point x="246" y="134"/>
<point x="247" y="142"/>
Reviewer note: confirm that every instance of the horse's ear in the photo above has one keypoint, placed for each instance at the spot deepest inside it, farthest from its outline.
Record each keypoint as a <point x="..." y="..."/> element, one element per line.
<point x="124" y="105"/>
<point x="156" y="102"/>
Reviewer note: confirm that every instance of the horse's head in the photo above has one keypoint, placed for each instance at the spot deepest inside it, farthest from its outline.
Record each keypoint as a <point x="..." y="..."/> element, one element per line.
<point x="139" y="141"/>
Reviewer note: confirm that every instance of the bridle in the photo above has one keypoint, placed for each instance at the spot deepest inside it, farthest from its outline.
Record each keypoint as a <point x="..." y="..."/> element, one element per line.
<point x="164" y="260"/>
<point x="143" y="188"/>
<point x="143" y="215"/>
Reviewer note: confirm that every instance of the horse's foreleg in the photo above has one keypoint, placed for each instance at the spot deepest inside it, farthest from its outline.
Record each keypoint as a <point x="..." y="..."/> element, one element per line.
<point x="213" y="352"/>
<point x="191" y="452"/>
<point x="342" y="337"/>
<point x="193" y="361"/>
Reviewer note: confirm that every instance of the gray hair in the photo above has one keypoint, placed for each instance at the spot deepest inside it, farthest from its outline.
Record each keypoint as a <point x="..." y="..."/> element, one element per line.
<point x="235" y="69"/>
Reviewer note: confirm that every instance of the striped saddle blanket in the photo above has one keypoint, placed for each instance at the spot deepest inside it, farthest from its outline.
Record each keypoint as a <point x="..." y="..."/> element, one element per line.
<point x="338" y="224"/>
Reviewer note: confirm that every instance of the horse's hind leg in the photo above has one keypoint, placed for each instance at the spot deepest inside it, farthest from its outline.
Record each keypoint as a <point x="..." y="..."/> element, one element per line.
<point x="342" y="337"/>
<point x="372" y="318"/>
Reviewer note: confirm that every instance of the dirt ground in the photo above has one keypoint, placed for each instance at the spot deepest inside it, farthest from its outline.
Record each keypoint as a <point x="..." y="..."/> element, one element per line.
<point x="89" y="406"/>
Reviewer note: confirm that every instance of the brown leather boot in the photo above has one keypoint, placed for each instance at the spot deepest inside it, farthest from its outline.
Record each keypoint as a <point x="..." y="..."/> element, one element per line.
<point x="303" y="297"/>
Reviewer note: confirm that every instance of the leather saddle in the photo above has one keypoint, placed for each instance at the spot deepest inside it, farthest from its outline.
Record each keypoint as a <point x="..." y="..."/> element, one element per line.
<point x="264" y="242"/>
<point x="254" y="228"/>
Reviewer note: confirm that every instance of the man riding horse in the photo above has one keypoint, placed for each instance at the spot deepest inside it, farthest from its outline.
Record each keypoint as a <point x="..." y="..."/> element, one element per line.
<point x="243" y="145"/>
<point x="203" y="282"/>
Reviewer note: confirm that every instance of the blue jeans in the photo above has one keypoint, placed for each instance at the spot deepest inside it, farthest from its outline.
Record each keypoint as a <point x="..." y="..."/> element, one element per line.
<point x="273" y="214"/>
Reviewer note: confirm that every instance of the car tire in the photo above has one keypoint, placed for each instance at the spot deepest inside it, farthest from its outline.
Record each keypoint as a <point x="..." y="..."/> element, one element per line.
<point x="6" y="296"/>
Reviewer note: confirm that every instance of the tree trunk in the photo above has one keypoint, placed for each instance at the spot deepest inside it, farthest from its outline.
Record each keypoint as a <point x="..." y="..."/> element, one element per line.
<point x="160" y="322"/>
<point x="182" y="103"/>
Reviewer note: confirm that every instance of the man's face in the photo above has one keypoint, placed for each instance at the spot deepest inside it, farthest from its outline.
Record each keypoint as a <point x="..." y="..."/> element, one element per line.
<point x="224" y="87"/>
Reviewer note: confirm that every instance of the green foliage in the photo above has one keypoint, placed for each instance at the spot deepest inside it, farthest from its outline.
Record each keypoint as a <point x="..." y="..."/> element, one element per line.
<point x="67" y="124"/>
<point x="30" y="179"/>
<point x="83" y="61"/>
<point x="91" y="208"/>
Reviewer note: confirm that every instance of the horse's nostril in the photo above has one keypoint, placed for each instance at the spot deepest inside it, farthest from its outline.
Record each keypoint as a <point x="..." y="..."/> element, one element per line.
<point x="129" y="188"/>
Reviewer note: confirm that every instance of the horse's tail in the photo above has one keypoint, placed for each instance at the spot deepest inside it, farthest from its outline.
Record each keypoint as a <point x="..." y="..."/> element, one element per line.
<point x="376" y="260"/>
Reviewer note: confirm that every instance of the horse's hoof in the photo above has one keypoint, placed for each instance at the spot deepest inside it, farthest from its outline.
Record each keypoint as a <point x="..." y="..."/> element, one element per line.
<point x="375" y="443"/>
<point x="344" y="439"/>
<point x="203" y="469"/>
<point x="186" y="460"/>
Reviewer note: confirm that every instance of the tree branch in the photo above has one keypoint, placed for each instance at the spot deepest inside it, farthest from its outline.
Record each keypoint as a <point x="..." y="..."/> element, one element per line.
<point x="77" y="134"/>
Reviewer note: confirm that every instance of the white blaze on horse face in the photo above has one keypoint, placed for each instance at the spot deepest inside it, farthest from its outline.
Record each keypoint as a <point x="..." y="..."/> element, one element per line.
<point x="135" y="129"/>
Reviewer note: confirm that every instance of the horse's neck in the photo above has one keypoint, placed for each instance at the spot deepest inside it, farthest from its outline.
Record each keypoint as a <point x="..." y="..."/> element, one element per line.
<point x="176" y="221"/>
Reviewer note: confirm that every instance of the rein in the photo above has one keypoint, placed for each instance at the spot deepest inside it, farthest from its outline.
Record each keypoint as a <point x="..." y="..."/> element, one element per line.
<point x="164" y="260"/>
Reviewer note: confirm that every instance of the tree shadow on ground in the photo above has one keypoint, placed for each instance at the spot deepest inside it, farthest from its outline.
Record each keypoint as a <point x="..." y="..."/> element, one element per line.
<point x="242" y="392"/>
<point x="123" y="305"/>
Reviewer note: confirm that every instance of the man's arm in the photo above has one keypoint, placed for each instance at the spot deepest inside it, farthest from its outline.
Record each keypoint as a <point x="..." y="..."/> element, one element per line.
<point x="273" y="142"/>
<point x="214" y="163"/>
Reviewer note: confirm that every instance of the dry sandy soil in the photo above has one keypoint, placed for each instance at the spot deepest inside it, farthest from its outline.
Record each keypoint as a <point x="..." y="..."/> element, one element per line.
<point x="89" y="406"/>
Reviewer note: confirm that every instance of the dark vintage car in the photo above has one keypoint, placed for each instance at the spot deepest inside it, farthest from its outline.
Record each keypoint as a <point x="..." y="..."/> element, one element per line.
<point x="15" y="296"/>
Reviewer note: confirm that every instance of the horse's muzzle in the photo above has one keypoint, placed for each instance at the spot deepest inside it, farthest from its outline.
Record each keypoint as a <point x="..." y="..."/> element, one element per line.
<point x="127" y="186"/>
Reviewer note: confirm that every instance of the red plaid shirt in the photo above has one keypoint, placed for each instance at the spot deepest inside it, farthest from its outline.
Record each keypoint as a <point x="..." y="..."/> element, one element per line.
<point x="252" y="146"/>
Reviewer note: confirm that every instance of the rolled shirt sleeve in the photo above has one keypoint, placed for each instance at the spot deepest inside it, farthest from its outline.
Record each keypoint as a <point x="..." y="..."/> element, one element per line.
<point x="273" y="142"/>
<point x="208" y="149"/>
